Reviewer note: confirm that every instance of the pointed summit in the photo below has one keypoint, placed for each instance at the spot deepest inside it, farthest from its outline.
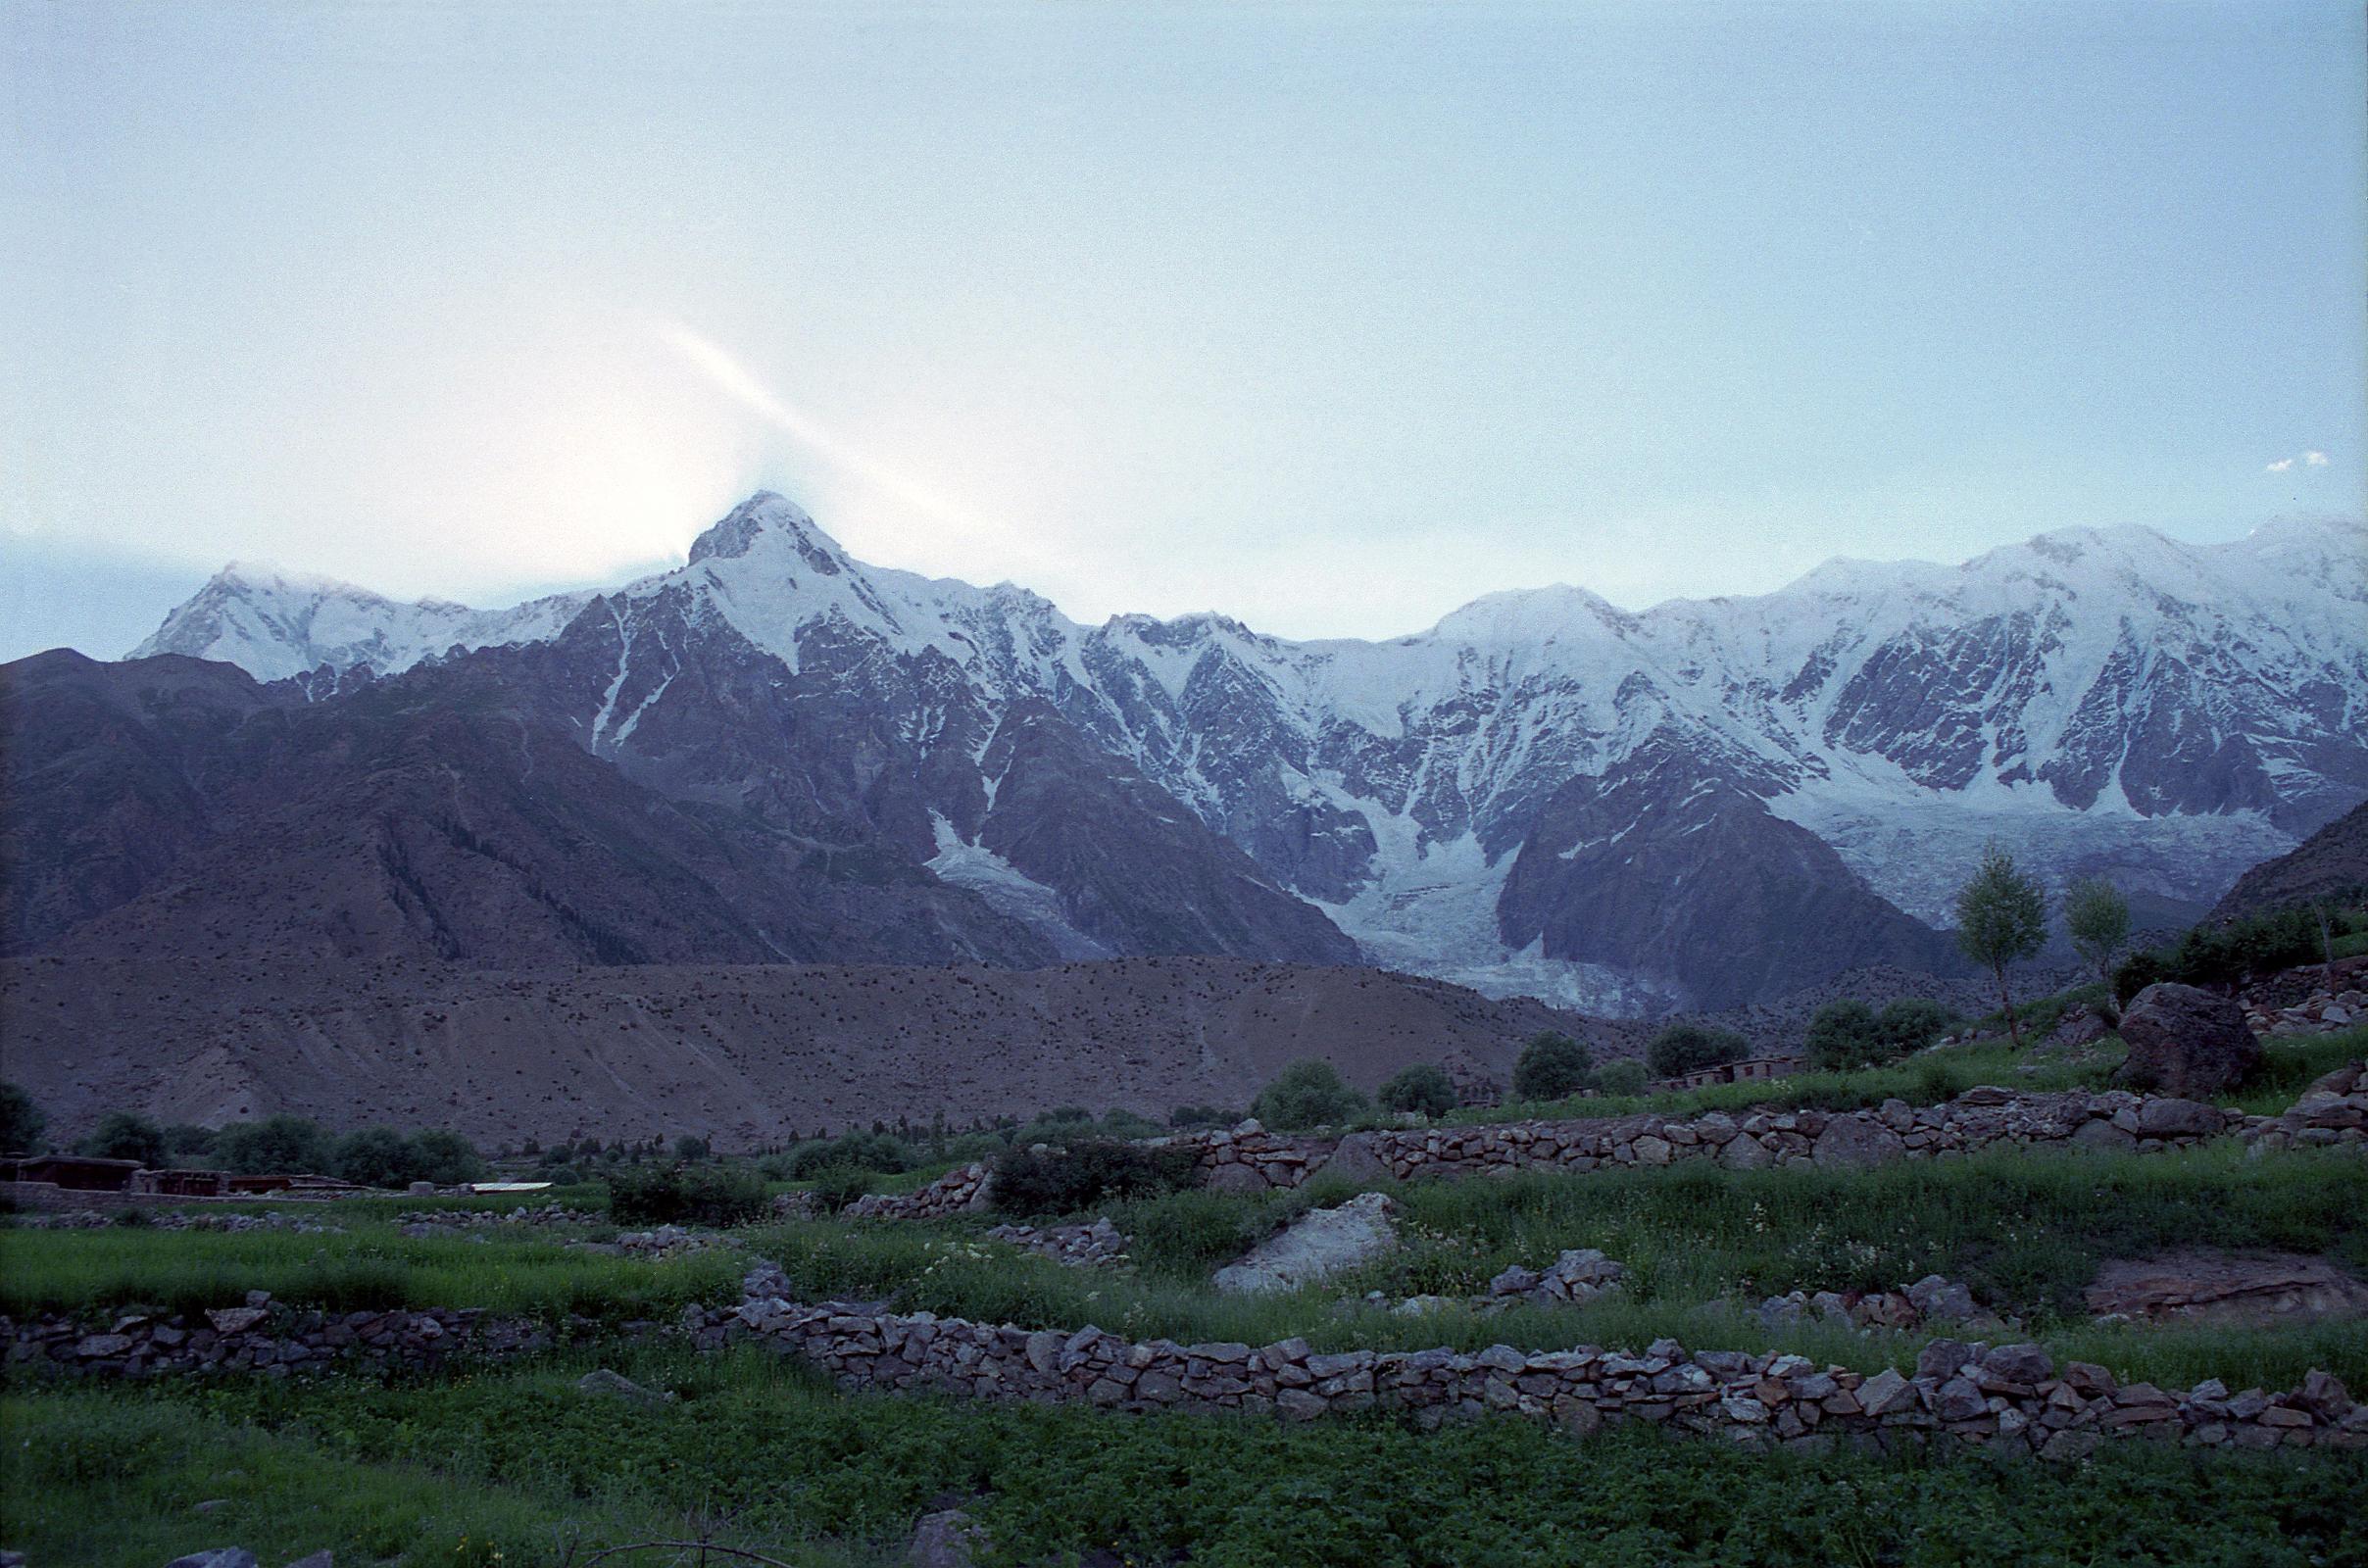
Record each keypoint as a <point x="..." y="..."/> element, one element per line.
<point x="766" y="515"/>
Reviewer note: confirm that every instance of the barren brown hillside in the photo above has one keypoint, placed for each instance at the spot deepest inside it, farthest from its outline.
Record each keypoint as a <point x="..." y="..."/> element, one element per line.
<point x="742" y="1054"/>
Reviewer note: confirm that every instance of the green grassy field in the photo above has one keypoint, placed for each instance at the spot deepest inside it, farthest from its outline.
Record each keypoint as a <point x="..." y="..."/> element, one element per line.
<point x="521" y="1470"/>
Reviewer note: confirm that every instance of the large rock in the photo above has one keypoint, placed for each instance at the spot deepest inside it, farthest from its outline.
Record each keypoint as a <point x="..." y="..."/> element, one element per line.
<point x="2186" y="1041"/>
<point x="1355" y="1160"/>
<point x="1857" y="1143"/>
<point x="2209" y="1287"/>
<point x="1319" y="1244"/>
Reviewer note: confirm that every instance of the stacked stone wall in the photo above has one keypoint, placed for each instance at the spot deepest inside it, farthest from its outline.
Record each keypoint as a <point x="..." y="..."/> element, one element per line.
<point x="2009" y="1395"/>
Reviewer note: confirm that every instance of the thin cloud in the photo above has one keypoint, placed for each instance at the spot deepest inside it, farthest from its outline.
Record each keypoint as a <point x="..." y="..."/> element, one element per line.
<point x="2279" y="467"/>
<point x="2314" y="459"/>
<point x="2308" y="459"/>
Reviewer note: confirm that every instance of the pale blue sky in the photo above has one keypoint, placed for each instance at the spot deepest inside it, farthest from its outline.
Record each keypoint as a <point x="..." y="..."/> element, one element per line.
<point x="1329" y="317"/>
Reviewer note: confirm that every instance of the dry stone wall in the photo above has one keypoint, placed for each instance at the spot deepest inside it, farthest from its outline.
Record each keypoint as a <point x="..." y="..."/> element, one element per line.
<point x="2011" y="1394"/>
<point x="259" y="1337"/>
<point x="1248" y="1157"/>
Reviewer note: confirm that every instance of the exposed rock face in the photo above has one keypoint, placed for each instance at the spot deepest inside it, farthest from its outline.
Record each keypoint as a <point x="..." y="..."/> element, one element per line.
<point x="2332" y="1111"/>
<point x="2186" y="1041"/>
<point x="1670" y="867"/>
<point x="2332" y="860"/>
<point x="2220" y="1288"/>
<point x="1319" y="1244"/>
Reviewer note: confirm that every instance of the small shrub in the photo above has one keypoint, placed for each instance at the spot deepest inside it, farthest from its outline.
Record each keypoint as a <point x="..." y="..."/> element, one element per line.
<point x="677" y="1194"/>
<point x="373" y="1156"/>
<point x="971" y="1148"/>
<point x="1424" y="1088"/>
<point x="1306" y="1094"/>
<point x="1190" y="1116"/>
<point x="1552" y="1066"/>
<point x="1089" y="1171"/>
<point x="838" y="1186"/>
<point x="1126" y="1124"/>
<point x="691" y="1148"/>
<point x="1845" y="1036"/>
<point x="1188" y="1232"/>
<point x="1685" y="1048"/>
<point x="1914" y="1023"/>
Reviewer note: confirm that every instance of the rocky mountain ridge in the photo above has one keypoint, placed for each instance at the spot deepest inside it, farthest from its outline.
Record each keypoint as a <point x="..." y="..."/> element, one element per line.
<point x="1466" y="801"/>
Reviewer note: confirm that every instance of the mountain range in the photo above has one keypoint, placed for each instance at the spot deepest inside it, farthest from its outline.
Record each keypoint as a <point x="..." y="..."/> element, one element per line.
<point x="775" y="752"/>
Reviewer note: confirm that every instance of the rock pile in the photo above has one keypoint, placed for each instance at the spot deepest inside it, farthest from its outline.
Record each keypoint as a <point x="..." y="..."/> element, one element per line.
<point x="1572" y="1280"/>
<point x="2322" y="1012"/>
<point x="964" y="1189"/>
<point x="1928" y="1301"/>
<point x="2009" y="1395"/>
<point x="2333" y="1109"/>
<point x="485" y="1218"/>
<point x="1097" y="1244"/>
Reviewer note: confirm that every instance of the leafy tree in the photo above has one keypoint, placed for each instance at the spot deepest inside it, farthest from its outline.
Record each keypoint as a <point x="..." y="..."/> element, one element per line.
<point x="1685" y="1048"/>
<point x="373" y="1156"/>
<point x="187" y="1141"/>
<point x="1622" y="1078"/>
<point x="1123" y="1123"/>
<point x="2002" y="921"/>
<point x="126" y="1135"/>
<point x="1201" y="1116"/>
<point x="1843" y="1036"/>
<point x="1552" y="1066"/>
<point x="2096" y="917"/>
<point x="1306" y="1094"/>
<point x="445" y="1158"/>
<point x="21" y="1120"/>
<point x="1086" y="1172"/>
<point x="690" y="1148"/>
<point x="1424" y="1088"/>
<point x="276" y="1144"/>
<point x="1912" y="1023"/>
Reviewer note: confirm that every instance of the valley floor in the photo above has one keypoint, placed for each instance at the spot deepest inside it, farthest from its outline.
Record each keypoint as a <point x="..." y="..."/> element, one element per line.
<point x="509" y="1461"/>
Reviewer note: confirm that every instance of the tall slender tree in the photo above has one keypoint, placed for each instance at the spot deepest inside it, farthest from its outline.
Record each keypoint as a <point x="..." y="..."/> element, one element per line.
<point x="2002" y="921"/>
<point x="2096" y="917"/>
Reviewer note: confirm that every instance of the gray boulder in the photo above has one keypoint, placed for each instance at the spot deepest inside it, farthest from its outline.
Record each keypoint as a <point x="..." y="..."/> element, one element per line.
<point x="1857" y="1143"/>
<point x="219" y="1558"/>
<point x="1355" y="1160"/>
<point x="1319" y="1244"/>
<point x="2186" y="1041"/>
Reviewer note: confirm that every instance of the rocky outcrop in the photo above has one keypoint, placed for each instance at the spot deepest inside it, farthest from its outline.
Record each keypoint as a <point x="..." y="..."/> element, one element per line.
<point x="2008" y="1395"/>
<point x="2331" y="862"/>
<point x="2211" y="1287"/>
<point x="2188" y="1042"/>
<point x="966" y="1188"/>
<point x="274" y="1341"/>
<point x="1573" y="1279"/>
<point x="1315" y="1246"/>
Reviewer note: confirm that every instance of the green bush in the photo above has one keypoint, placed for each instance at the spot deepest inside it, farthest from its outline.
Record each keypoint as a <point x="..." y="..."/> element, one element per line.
<point x="690" y="1149"/>
<point x="127" y="1134"/>
<point x="444" y="1158"/>
<point x="1307" y="1093"/>
<point x="275" y="1146"/>
<point x="1685" y="1048"/>
<point x="1424" y="1088"/>
<point x="862" y="1150"/>
<point x="682" y="1195"/>
<point x="1190" y="1116"/>
<point x="1552" y="1066"/>
<point x="837" y="1186"/>
<point x="1088" y="1171"/>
